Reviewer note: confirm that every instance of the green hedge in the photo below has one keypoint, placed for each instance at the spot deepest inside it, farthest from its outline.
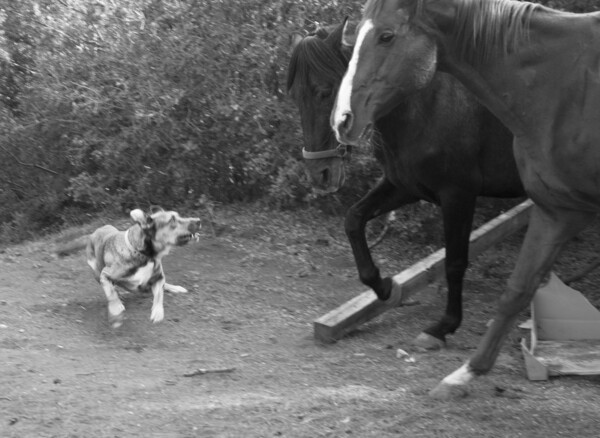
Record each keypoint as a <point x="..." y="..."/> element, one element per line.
<point x="151" y="102"/>
<point x="111" y="105"/>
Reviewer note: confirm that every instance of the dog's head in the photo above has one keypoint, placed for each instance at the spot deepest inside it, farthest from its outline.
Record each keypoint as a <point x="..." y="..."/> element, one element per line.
<point x="166" y="228"/>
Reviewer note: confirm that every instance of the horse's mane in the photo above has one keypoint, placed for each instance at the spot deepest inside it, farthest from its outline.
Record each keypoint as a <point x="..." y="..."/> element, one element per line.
<point x="313" y="54"/>
<point x="482" y="28"/>
<point x="485" y="28"/>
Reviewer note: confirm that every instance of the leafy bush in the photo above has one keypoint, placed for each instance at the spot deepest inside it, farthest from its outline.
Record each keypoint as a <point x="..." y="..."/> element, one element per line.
<point x="149" y="102"/>
<point x="111" y="105"/>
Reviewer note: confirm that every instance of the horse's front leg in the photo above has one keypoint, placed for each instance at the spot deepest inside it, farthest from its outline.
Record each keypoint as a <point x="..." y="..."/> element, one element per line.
<point x="458" y="208"/>
<point x="547" y="233"/>
<point x="382" y="199"/>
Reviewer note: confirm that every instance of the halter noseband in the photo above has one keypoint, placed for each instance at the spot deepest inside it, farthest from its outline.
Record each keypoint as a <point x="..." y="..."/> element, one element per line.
<point x="339" y="152"/>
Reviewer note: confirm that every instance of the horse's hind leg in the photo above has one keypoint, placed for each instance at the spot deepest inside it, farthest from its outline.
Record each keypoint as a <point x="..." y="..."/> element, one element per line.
<point x="381" y="199"/>
<point x="458" y="208"/>
<point x="547" y="233"/>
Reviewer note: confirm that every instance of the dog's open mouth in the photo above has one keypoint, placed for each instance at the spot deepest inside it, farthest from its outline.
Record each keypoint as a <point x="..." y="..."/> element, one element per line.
<point x="185" y="238"/>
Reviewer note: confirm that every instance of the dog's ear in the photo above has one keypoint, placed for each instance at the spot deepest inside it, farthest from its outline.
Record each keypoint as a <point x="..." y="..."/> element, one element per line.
<point x="155" y="209"/>
<point x="141" y="218"/>
<point x="295" y="39"/>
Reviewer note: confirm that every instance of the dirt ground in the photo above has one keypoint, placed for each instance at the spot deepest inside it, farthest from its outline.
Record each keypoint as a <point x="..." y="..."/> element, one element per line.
<point x="255" y="288"/>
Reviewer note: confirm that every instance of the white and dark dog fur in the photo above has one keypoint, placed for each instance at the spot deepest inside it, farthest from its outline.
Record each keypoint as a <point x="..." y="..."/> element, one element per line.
<point x="132" y="259"/>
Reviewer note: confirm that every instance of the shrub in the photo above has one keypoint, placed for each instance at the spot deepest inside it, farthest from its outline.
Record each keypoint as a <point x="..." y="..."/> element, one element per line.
<point x="111" y="105"/>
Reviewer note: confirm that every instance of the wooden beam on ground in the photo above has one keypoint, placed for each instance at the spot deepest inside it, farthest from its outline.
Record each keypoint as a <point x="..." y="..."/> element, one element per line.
<point x="366" y="306"/>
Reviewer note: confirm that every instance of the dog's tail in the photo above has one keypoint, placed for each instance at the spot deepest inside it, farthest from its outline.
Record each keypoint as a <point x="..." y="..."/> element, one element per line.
<point x="72" y="246"/>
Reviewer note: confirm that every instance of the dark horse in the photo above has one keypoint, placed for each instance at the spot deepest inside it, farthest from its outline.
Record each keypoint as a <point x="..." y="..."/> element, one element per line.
<point x="538" y="70"/>
<point x="437" y="145"/>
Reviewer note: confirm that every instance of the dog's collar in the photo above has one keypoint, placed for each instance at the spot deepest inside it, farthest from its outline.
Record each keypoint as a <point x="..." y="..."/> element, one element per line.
<point x="129" y="244"/>
<point x="145" y="251"/>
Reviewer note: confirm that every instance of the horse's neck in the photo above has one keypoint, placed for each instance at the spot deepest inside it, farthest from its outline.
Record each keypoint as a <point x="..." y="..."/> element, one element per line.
<point x="409" y="112"/>
<point x="410" y="117"/>
<point x="488" y="92"/>
<point x="505" y="82"/>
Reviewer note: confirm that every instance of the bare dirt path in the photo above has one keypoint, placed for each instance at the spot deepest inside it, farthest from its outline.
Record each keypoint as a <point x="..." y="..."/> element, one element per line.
<point x="254" y="292"/>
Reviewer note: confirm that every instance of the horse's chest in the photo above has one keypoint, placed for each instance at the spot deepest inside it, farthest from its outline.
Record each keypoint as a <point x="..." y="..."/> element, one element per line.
<point x="415" y="174"/>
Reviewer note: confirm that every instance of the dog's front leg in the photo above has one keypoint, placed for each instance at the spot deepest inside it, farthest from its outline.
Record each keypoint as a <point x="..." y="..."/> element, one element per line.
<point x="158" y="311"/>
<point x="115" y="306"/>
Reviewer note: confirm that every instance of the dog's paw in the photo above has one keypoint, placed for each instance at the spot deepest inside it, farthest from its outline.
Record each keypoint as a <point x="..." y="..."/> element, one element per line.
<point x="115" y="308"/>
<point x="116" y="321"/>
<point x="116" y="312"/>
<point x="158" y="314"/>
<point x="175" y="289"/>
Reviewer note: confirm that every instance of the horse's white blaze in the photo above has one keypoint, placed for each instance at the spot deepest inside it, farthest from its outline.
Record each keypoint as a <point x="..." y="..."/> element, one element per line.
<point x="461" y="376"/>
<point x="344" y="96"/>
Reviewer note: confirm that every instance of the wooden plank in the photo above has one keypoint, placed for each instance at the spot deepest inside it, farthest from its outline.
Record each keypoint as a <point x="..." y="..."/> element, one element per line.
<point x="500" y="227"/>
<point x="367" y="306"/>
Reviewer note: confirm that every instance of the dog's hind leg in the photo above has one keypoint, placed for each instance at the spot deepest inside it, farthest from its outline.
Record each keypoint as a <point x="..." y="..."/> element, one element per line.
<point x="174" y="289"/>
<point x="115" y="306"/>
<point x="158" y="311"/>
<point x="92" y="260"/>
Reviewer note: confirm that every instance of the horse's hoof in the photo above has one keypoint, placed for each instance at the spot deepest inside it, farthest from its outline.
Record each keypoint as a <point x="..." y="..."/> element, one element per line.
<point x="445" y="391"/>
<point x="386" y="289"/>
<point x="428" y="342"/>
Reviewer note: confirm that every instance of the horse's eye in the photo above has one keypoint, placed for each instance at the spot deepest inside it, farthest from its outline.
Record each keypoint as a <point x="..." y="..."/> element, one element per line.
<point x="386" y="37"/>
<point x="324" y="93"/>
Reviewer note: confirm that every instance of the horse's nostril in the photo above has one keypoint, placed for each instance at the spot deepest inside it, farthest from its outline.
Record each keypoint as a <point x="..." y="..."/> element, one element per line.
<point x="347" y="120"/>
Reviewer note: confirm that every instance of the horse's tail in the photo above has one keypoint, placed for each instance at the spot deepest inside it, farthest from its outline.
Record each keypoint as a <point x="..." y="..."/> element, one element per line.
<point x="72" y="246"/>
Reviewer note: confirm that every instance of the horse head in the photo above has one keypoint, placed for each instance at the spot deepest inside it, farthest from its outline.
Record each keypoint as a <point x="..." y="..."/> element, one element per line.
<point x="316" y="67"/>
<point x="392" y="58"/>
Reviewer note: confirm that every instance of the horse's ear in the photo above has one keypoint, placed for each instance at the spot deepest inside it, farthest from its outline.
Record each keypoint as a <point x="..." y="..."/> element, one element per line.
<point x="348" y="37"/>
<point x="320" y="32"/>
<point x="334" y="39"/>
<point x="295" y="39"/>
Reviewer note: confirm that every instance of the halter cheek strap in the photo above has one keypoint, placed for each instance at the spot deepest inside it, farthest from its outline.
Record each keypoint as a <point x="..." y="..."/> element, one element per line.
<point x="339" y="152"/>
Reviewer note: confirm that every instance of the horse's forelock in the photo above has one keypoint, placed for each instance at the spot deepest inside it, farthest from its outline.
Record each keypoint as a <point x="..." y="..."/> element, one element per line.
<point x="312" y="54"/>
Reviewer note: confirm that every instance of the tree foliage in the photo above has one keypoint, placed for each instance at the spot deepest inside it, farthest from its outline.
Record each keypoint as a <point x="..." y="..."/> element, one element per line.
<point x="123" y="103"/>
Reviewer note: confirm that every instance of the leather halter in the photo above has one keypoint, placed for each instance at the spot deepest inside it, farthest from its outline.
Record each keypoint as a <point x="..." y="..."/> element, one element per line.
<point x="339" y="152"/>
